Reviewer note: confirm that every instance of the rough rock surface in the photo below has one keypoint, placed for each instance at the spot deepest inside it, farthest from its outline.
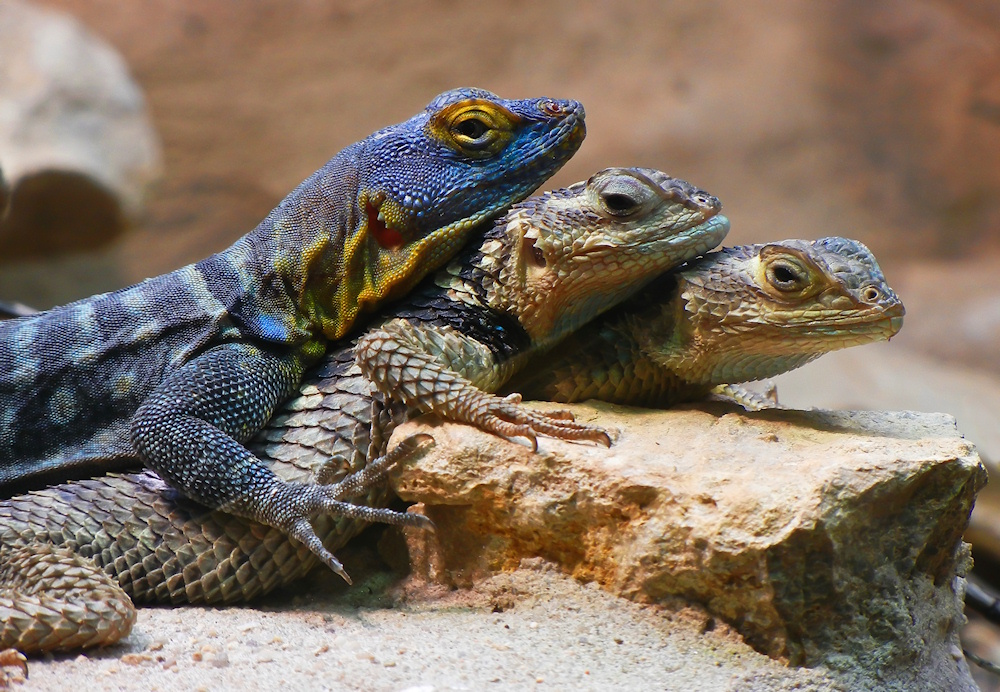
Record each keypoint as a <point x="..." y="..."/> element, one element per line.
<point x="76" y="143"/>
<point x="827" y="538"/>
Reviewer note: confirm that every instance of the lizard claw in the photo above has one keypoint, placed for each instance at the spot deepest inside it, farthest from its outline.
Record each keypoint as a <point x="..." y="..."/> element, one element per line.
<point x="301" y="530"/>
<point x="559" y="414"/>
<point x="507" y="417"/>
<point x="329" y="500"/>
<point x="365" y="479"/>
<point x="13" y="658"/>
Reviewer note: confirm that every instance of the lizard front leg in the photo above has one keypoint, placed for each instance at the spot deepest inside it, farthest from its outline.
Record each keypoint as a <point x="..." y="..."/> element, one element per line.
<point x="437" y="369"/>
<point x="192" y="428"/>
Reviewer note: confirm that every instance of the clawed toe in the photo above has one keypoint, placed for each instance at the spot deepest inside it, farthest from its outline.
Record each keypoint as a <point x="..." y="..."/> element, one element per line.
<point x="302" y="531"/>
<point x="312" y="500"/>
<point x="13" y="658"/>
<point x="509" y="420"/>
<point x="365" y="479"/>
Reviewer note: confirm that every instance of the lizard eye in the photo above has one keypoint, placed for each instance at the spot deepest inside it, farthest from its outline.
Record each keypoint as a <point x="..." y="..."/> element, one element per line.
<point x="619" y="194"/>
<point x="619" y="204"/>
<point x="786" y="276"/>
<point x="473" y="130"/>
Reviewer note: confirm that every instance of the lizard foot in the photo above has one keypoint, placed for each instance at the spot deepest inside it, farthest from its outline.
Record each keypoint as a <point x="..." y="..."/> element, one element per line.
<point x="507" y="417"/>
<point x="10" y="658"/>
<point x="750" y="400"/>
<point x="311" y="500"/>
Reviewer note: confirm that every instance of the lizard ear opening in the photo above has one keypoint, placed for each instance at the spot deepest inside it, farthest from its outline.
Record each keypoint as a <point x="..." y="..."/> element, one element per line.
<point x="532" y="255"/>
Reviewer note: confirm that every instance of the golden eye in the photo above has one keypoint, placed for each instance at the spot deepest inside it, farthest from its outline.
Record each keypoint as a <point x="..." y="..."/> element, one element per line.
<point x="473" y="130"/>
<point x="786" y="276"/>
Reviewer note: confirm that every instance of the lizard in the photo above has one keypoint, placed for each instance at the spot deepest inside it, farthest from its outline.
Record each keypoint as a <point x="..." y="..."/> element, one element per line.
<point x="539" y="272"/>
<point x="736" y="315"/>
<point x="178" y="371"/>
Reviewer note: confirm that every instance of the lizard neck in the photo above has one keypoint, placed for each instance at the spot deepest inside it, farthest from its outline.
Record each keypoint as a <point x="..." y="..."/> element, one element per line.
<point x="278" y="281"/>
<point x="331" y="249"/>
<point x="313" y="243"/>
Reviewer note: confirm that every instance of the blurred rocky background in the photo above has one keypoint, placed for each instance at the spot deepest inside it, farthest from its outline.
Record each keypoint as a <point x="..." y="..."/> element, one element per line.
<point x="875" y="119"/>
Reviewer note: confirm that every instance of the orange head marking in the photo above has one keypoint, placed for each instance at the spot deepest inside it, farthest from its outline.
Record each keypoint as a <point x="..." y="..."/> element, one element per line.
<point x="386" y="236"/>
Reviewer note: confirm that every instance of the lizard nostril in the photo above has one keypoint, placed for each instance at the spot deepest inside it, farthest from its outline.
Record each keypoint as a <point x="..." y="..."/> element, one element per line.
<point x="550" y="107"/>
<point x="707" y="201"/>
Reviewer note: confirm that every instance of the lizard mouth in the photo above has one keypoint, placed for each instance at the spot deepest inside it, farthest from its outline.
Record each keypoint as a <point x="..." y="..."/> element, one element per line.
<point x="695" y="240"/>
<point x="387" y="237"/>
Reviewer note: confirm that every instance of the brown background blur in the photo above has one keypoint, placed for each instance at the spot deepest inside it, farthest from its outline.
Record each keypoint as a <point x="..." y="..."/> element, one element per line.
<point x="876" y="119"/>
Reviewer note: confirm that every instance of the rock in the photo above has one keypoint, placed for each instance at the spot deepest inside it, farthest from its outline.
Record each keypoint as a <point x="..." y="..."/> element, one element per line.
<point x="4" y="196"/>
<point x="825" y="538"/>
<point x="886" y="377"/>
<point x="76" y="143"/>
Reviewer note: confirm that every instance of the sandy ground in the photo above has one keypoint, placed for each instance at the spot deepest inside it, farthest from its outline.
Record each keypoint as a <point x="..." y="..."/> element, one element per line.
<point x="532" y="629"/>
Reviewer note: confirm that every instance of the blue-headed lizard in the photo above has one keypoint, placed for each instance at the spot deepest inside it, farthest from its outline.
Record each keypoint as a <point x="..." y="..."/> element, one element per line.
<point x="180" y="370"/>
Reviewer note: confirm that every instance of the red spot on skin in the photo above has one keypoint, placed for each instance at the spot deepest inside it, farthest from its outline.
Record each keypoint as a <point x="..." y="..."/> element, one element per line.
<point x="389" y="238"/>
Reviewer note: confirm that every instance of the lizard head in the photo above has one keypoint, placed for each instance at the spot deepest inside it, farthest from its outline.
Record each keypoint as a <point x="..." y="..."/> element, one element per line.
<point x="425" y="184"/>
<point x="559" y="259"/>
<point x="764" y="309"/>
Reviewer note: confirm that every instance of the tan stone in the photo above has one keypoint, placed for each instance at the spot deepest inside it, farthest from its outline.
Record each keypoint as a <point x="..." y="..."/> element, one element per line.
<point x="827" y="538"/>
<point x="76" y="142"/>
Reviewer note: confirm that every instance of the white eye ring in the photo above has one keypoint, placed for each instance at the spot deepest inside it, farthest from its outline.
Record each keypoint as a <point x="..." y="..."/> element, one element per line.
<point x="785" y="276"/>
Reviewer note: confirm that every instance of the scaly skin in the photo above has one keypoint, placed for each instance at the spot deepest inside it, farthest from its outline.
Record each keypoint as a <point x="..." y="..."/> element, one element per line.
<point x="435" y="370"/>
<point x="181" y="370"/>
<point x="536" y="274"/>
<point x="736" y="315"/>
